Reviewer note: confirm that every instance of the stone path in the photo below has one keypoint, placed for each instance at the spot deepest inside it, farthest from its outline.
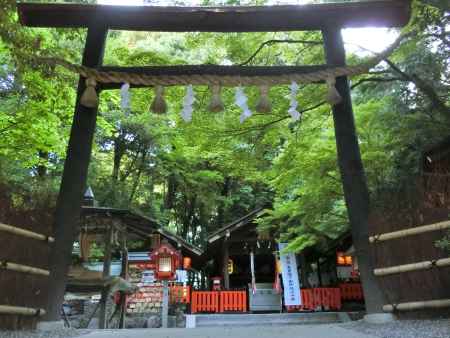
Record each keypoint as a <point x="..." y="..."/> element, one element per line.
<point x="303" y="331"/>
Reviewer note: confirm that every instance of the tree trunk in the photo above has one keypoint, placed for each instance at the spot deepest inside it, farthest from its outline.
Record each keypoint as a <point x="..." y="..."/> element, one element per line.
<point x="42" y="166"/>
<point x="352" y="173"/>
<point x="119" y="151"/>
<point x="137" y="178"/>
<point x="73" y="182"/>
<point x="304" y="270"/>
<point x="169" y="201"/>
<point x="224" y="193"/>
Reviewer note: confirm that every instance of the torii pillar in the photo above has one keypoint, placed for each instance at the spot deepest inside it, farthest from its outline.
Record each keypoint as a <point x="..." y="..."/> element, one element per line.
<point x="354" y="181"/>
<point x="74" y="178"/>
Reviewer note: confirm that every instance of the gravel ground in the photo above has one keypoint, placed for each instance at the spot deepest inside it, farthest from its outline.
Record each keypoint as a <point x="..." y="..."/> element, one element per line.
<point x="63" y="333"/>
<point x="357" y="329"/>
<point x="404" y="328"/>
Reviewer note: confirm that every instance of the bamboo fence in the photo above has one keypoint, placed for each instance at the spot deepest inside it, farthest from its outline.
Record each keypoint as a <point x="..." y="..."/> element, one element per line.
<point x="25" y="233"/>
<point x="23" y="268"/>
<point x="409" y="232"/>
<point x="412" y="267"/>
<point x="420" y="305"/>
<point x="19" y="310"/>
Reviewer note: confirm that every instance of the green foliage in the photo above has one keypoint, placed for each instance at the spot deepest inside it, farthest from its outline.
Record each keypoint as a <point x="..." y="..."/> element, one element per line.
<point x="444" y="243"/>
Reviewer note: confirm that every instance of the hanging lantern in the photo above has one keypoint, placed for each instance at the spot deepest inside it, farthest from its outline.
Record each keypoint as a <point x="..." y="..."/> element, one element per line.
<point x="230" y="266"/>
<point x="187" y="263"/>
<point x="348" y="260"/>
<point x="216" y="283"/>
<point x="343" y="259"/>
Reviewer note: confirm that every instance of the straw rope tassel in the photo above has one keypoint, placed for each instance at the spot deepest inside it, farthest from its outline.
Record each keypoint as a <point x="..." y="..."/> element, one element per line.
<point x="264" y="105"/>
<point x="216" y="105"/>
<point x="89" y="98"/>
<point x="159" y="104"/>
<point x="333" y="96"/>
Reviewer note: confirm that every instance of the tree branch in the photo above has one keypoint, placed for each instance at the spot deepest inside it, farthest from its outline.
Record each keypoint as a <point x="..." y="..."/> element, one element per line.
<point x="428" y="90"/>
<point x="241" y="131"/>
<point x="274" y="41"/>
<point x="376" y="79"/>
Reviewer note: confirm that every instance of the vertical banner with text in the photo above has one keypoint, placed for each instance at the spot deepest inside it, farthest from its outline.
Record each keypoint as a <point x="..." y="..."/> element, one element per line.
<point x="289" y="272"/>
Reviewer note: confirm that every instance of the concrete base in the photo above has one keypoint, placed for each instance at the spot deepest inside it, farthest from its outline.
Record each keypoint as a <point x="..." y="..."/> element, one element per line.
<point x="379" y="318"/>
<point x="50" y="325"/>
<point x="344" y="317"/>
<point x="191" y="322"/>
<point x="261" y="319"/>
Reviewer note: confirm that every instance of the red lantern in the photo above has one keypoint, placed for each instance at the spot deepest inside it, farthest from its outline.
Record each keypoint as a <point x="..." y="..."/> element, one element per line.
<point x="187" y="263"/>
<point x="166" y="260"/>
<point x="343" y="259"/>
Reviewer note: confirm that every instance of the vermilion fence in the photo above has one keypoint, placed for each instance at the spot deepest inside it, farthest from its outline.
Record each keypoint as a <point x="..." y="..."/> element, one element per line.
<point x="319" y="299"/>
<point x="236" y="301"/>
<point x="331" y="298"/>
<point x="233" y="301"/>
<point x="180" y="294"/>
<point x="204" y="301"/>
<point x="351" y="291"/>
<point x="307" y="299"/>
<point x="218" y="301"/>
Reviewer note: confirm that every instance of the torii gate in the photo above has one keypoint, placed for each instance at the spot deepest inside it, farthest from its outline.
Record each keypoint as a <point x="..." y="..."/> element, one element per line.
<point x="329" y="18"/>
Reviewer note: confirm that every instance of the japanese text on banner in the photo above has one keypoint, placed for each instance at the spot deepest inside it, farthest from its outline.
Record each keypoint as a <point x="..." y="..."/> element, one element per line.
<point x="290" y="277"/>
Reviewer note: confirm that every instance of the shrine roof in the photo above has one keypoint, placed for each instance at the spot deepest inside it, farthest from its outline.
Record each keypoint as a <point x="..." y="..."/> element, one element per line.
<point x="236" y="224"/>
<point x="137" y="224"/>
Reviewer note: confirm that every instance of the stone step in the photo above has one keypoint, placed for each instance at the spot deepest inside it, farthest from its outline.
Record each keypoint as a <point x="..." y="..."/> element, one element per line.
<point x="218" y="320"/>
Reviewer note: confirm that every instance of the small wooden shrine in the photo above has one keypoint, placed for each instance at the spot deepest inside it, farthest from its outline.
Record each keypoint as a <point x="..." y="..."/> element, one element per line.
<point x="134" y="278"/>
<point x="231" y="247"/>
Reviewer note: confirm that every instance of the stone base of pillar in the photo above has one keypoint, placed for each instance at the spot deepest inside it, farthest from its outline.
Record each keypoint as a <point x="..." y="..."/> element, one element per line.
<point x="55" y="325"/>
<point x="379" y="318"/>
<point x="190" y="322"/>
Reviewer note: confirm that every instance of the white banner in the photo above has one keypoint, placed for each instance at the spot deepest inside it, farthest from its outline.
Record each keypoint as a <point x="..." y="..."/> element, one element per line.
<point x="289" y="272"/>
<point x="182" y="276"/>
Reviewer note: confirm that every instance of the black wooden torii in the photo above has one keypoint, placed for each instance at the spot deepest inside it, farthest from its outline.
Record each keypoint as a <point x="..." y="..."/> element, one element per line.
<point x="329" y="18"/>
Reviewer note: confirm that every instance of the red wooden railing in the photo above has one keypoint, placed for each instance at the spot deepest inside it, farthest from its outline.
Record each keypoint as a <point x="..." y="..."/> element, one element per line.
<point x="331" y="298"/>
<point x="351" y="291"/>
<point x="204" y="301"/>
<point x="318" y="299"/>
<point x="307" y="299"/>
<point x="233" y="301"/>
<point x="180" y="294"/>
<point x="219" y="301"/>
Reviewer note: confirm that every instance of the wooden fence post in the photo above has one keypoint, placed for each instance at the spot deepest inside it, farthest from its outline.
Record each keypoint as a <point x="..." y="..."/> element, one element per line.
<point x="102" y="323"/>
